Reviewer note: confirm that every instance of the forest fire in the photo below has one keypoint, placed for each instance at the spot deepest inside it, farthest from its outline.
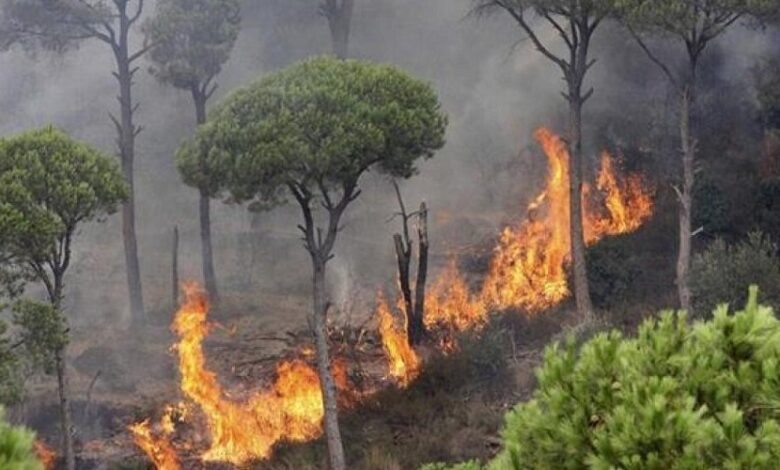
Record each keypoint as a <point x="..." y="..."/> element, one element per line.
<point x="291" y="410"/>
<point x="527" y="271"/>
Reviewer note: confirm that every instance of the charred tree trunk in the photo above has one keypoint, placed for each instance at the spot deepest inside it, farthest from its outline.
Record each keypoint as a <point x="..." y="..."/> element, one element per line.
<point x="207" y="253"/>
<point x="403" y="253"/>
<point x="127" y="133"/>
<point x="417" y="320"/>
<point x="685" y="198"/>
<point x="175" y="267"/>
<point x="339" y="16"/>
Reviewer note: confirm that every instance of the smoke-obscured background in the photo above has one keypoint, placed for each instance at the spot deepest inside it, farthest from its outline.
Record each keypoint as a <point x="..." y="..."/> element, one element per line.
<point x="495" y="88"/>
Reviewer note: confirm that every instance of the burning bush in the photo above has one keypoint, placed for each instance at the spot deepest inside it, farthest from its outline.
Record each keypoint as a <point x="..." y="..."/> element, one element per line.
<point x="694" y="396"/>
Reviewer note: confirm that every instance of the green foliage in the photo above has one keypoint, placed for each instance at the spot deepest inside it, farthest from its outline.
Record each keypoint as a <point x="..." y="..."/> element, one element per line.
<point x="10" y="369"/>
<point x="43" y="332"/>
<point x="49" y="184"/>
<point x="16" y="447"/>
<point x="318" y="124"/>
<point x="723" y="272"/>
<point x="767" y="208"/>
<point x="679" y="17"/>
<point x="710" y="207"/>
<point x="612" y="272"/>
<point x="193" y="39"/>
<point x="678" y="396"/>
<point x="471" y="465"/>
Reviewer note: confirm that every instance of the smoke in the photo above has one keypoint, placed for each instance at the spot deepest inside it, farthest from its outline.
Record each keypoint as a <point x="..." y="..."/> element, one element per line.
<point x="494" y="86"/>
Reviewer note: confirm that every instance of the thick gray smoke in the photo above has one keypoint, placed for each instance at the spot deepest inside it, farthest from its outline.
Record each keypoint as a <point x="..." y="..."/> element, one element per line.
<point x="494" y="86"/>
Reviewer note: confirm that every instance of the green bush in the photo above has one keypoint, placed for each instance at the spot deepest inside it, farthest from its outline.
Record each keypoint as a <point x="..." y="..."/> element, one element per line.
<point x="16" y="447"/>
<point x="723" y="272"/>
<point x="678" y="396"/>
<point x="612" y="272"/>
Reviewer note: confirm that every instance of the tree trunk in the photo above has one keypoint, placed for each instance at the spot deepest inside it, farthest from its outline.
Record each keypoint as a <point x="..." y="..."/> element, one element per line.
<point x="66" y="425"/>
<point x="403" y="254"/>
<point x="127" y="133"/>
<point x="318" y="323"/>
<point x="340" y="21"/>
<point x="579" y="265"/>
<point x="207" y="252"/>
<point x="417" y="320"/>
<point x="685" y="196"/>
<point x="175" y="267"/>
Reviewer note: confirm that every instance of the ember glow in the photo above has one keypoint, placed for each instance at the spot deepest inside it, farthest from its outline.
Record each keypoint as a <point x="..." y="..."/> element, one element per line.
<point x="239" y="430"/>
<point x="45" y="454"/>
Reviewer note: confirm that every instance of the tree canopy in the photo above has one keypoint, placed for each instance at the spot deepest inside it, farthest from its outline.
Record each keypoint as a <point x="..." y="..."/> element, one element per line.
<point x="192" y="40"/>
<point x="49" y="183"/>
<point x="317" y="125"/>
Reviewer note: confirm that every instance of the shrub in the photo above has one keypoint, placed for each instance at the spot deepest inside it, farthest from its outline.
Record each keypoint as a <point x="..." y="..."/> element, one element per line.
<point x="16" y="447"/>
<point x="723" y="272"/>
<point x="678" y="396"/>
<point x="612" y="272"/>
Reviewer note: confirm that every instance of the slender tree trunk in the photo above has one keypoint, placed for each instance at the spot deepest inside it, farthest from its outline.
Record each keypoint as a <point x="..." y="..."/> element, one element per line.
<point x="318" y="323"/>
<point x="339" y="15"/>
<point x="417" y="320"/>
<point x="66" y="422"/>
<point x="206" y="247"/>
<point x="581" y="290"/>
<point x="175" y="267"/>
<point x="127" y="133"/>
<point x="685" y="196"/>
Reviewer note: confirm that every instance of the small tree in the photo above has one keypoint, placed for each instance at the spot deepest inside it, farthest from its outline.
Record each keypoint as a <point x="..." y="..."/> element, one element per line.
<point x="49" y="185"/>
<point x="311" y="131"/>
<point x="575" y="22"/>
<point x="693" y="25"/>
<point x="60" y="24"/>
<point x="193" y="39"/>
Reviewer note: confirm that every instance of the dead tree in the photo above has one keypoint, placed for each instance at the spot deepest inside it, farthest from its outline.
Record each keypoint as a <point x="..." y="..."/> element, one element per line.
<point x="414" y="309"/>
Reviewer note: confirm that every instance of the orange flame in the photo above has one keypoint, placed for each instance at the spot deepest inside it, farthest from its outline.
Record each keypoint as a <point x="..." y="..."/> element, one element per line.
<point x="528" y="269"/>
<point x="291" y="410"/>
<point x="157" y="448"/>
<point x="45" y="454"/>
<point x="403" y="362"/>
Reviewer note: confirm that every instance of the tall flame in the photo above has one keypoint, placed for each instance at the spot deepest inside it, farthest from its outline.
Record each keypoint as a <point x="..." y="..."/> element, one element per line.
<point x="402" y="359"/>
<point x="528" y="268"/>
<point x="242" y="430"/>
